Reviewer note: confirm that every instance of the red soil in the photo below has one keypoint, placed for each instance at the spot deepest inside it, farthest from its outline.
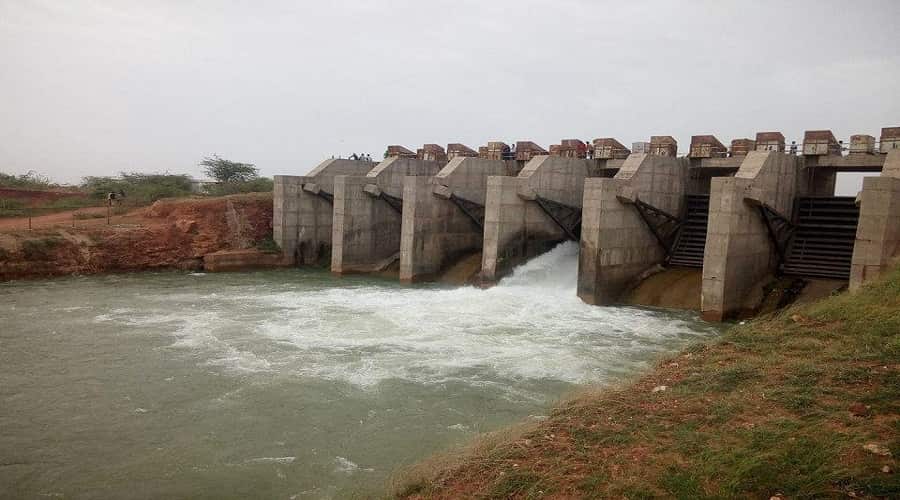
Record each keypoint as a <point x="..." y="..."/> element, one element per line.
<point x="168" y="234"/>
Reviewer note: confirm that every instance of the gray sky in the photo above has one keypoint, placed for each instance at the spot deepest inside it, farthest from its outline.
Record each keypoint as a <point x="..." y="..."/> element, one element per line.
<point x="97" y="87"/>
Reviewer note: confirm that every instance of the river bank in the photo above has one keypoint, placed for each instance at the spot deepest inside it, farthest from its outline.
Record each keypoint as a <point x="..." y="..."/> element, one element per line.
<point x="804" y="403"/>
<point x="168" y="234"/>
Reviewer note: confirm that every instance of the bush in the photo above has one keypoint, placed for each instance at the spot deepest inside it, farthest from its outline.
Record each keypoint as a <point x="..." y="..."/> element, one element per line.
<point x="268" y="244"/>
<point x="139" y="189"/>
<point x="39" y="249"/>
<point x="31" y="180"/>
<point x="258" y="185"/>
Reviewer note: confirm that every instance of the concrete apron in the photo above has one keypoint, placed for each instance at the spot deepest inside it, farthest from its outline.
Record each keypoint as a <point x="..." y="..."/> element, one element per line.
<point x="367" y="215"/>
<point x="302" y="212"/>
<point x="617" y="246"/>
<point x="443" y="215"/>
<point x="516" y="228"/>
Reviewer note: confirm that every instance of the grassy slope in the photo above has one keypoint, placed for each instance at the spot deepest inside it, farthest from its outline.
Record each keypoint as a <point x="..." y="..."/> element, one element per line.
<point x="781" y="405"/>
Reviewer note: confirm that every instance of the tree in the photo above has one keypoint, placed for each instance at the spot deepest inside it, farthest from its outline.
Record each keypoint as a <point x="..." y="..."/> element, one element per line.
<point x="228" y="171"/>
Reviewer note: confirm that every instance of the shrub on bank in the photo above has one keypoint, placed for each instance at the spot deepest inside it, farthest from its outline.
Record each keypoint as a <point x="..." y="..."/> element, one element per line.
<point x="30" y="180"/>
<point x="258" y="185"/>
<point x="140" y="189"/>
<point x="40" y="249"/>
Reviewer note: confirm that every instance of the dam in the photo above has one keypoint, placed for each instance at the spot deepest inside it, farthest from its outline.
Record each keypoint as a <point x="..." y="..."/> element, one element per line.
<point x="732" y="218"/>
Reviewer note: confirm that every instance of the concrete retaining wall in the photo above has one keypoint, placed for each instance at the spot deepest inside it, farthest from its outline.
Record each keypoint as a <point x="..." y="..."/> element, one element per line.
<point x="878" y="233"/>
<point x="515" y="228"/>
<point x="366" y="231"/>
<point x="238" y="260"/>
<point x="617" y="247"/>
<point x="739" y="253"/>
<point x="435" y="231"/>
<point x="301" y="220"/>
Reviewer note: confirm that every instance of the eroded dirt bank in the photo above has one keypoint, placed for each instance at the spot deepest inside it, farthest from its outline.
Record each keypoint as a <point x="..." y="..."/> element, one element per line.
<point x="167" y="234"/>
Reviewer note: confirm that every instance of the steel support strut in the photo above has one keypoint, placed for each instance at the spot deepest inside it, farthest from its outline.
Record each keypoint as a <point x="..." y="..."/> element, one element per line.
<point x="474" y="211"/>
<point x="567" y="217"/>
<point x="662" y="224"/>
<point x="779" y="227"/>
<point x="393" y="201"/>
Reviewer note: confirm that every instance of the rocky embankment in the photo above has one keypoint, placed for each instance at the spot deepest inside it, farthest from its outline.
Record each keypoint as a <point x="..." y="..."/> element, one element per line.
<point x="167" y="234"/>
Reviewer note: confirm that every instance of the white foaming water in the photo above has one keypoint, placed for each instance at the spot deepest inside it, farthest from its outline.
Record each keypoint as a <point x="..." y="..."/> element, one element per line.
<point x="291" y="383"/>
<point x="530" y="326"/>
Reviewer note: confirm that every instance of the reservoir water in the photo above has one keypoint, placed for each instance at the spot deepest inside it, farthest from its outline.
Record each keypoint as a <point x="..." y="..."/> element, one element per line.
<point x="289" y="384"/>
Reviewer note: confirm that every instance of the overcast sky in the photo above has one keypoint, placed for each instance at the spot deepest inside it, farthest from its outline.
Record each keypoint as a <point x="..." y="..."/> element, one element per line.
<point x="98" y="87"/>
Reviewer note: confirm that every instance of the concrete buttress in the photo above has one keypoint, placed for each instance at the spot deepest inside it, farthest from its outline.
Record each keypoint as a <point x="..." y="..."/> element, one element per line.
<point x="515" y="226"/>
<point x="302" y="212"/>
<point x="740" y="253"/>
<point x="367" y="214"/>
<point x="878" y="234"/>
<point x="617" y="245"/>
<point x="443" y="215"/>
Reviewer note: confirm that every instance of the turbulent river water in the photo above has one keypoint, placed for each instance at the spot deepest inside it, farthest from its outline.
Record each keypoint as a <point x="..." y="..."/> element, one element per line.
<point x="288" y="384"/>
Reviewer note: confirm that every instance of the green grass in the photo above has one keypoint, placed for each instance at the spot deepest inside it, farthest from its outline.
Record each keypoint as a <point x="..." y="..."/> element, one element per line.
<point x="11" y="208"/>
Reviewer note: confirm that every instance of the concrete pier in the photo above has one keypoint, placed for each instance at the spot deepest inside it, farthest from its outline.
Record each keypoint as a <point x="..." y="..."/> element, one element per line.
<point x="367" y="214"/>
<point x="443" y="216"/>
<point x="518" y="222"/>
<point x="740" y="252"/>
<point x="617" y="244"/>
<point x="877" y="244"/>
<point x="302" y="210"/>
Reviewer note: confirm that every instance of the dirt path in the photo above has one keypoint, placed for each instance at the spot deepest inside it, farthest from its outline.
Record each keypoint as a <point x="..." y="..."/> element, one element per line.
<point x="96" y="216"/>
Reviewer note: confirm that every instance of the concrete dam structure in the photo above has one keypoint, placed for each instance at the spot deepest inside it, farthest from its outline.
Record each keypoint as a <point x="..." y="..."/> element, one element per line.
<point x="303" y="210"/>
<point x="443" y="215"/>
<point x="528" y="214"/>
<point x="368" y="214"/>
<point x="732" y="219"/>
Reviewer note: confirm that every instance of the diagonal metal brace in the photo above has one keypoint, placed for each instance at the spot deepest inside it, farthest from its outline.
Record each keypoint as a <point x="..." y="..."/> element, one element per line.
<point x="316" y="190"/>
<point x="779" y="227"/>
<point x="662" y="224"/>
<point x="567" y="217"/>
<point x="473" y="210"/>
<point x="375" y="192"/>
<point x="393" y="201"/>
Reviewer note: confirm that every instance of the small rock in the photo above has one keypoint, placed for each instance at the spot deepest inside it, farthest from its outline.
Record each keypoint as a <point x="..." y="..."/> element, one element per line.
<point x="660" y="388"/>
<point x="886" y="469"/>
<point x="859" y="410"/>
<point x="796" y="318"/>
<point x="877" y="449"/>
